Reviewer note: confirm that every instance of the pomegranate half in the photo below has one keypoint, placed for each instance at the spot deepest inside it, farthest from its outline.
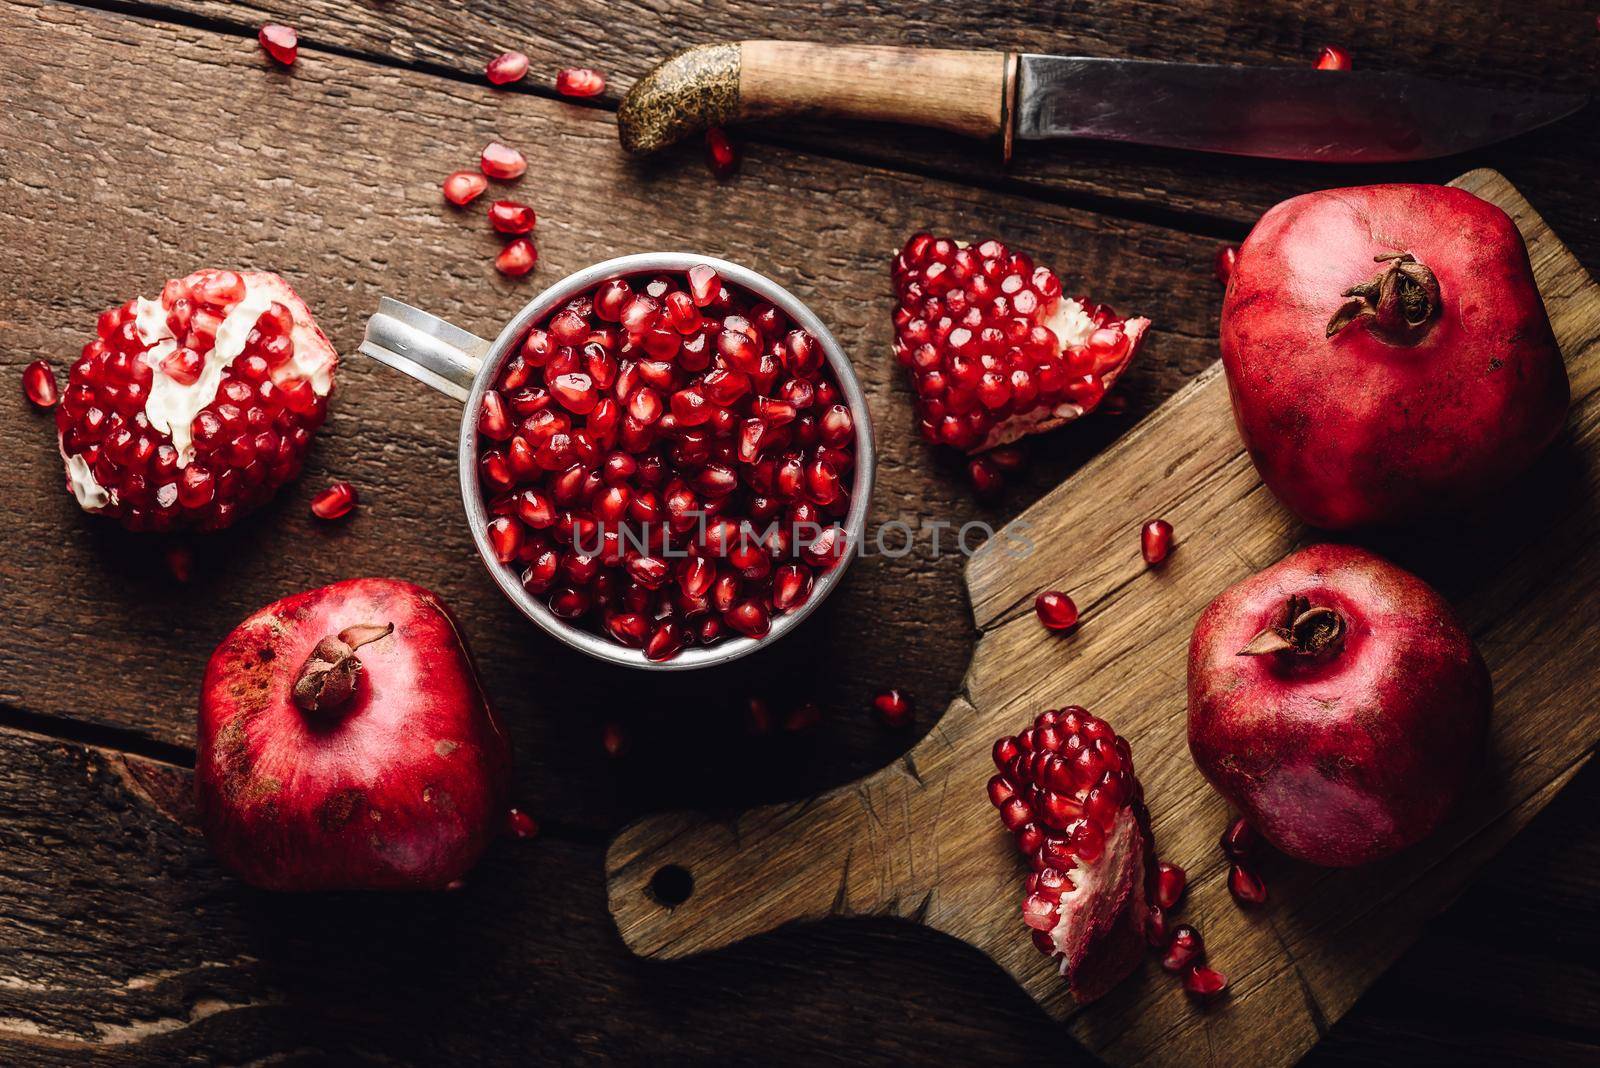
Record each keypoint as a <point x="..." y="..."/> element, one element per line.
<point x="1388" y="354"/>
<point x="346" y="744"/>
<point x="1337" y="702"/>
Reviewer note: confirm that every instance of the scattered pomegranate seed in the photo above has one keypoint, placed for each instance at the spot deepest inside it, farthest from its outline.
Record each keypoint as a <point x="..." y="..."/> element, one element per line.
<point x="895" y="708"/>
<point x="1204" y="982"/>
<point x="986" y="478"/>
<point x="335" y="502"/>
<point x="463" y="187"/>
<point x="1333" y="58"/>
<point x="1155" y="541"/>
<point x="802" y="717"/>
<point x="517" y="258"/>
<point x="506" y="68"/>
<point x="1184" y="948"/>
<point x="580" y="82"/>
<point x="1056" y="610"/>
<point x="758" y="716"/>
<point x="721" y="156"/>
<point x="1007" y="458"/>
<point x="1155" y="927"/>
<point x="39" y="385"/>
<point x="1170" y="881"/>
<point x="511" y="217"/>
<point x="280" y="42"/>
<point x="1226" y="257"/>
<point x="614" y="739"/>
<point x="520" y="825"/>
<point x="1239" y="840"/>
<point x="180" y="562"/>
<point x="1245" y="886"/>
<point x="502" y="161"/>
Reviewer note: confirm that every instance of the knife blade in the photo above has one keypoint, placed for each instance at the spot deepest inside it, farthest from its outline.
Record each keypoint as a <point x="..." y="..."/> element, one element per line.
<point x="1277" y="112"/>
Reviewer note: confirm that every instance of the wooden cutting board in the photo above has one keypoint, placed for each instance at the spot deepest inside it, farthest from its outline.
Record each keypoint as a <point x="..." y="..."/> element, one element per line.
<point x="920" y="840"/>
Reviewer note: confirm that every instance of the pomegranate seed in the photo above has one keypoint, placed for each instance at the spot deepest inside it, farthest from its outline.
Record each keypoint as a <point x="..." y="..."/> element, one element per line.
<point x="1204" y="982"/>
<point x="280" y="42"/>
<point x="1333" y="57"/>
<point x="1170" y="881"/>
<point x="580" y="82"/>
<point x="517" y="258"/>
<point x="1222" y="265"/>
<point x="758" y="716"/>
<point x="802" y="717"/>
<point x="1155" y="541"/>
<point x="986" y="478"/>
<point x="502" y="161"/>
<point x="510" y="217"/>
<point x="39" y="385"/>
<point x="520" y="825"/>
<point x="335" y="502"/>
<point x="506" y="68"/>
<point x="505" y="537"/>
<point x="721" y="156"/>
<point x="463" y="187"/>
<point x="895" y="708"/>
<point x="1155" y="928"/>
<point x="1245" y="886"/>
<point x="614" y="740"/>
<point x="1008" y="458"/>
<point x="1239" y="840"/>
<point x="180" y="562"/>
<point x="703" y="284"/>
<point x="1056" y="610"/>
<point x="1185" y="948"/>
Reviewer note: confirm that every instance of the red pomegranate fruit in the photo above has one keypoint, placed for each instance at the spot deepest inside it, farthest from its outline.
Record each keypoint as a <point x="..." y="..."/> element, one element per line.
<point x="191" y="410"/>
<point x="345" y="744"/>
<point x="993" y="348"/>
<point x="666" y="461"/>
<point x="1066" y="790"/>
<point x="1338" y="703"/>
<point x="1388" y="354"/>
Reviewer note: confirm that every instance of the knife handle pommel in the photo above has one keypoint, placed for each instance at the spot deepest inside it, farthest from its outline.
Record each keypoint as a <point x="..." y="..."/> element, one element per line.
<point x="968" y="93"/>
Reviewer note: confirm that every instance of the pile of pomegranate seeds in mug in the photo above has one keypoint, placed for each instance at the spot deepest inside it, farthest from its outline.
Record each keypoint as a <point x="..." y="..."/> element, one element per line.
<point x="666" y="460"/>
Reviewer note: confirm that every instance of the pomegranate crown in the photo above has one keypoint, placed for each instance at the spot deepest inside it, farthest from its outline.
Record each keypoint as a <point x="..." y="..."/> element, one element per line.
<point x="328" y="678"/>
<point x="1399" y="303"/>
<point x="1305" y="631"/>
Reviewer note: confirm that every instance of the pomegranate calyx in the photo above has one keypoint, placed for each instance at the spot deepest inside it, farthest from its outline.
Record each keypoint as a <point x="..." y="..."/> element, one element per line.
<point x="1305" y="631"/>
<point x="1401" y="301"/>
<point x="329" y="675"/>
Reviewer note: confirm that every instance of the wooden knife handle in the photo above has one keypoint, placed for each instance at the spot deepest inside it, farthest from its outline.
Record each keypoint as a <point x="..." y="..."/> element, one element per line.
<point x="969" y="93"/>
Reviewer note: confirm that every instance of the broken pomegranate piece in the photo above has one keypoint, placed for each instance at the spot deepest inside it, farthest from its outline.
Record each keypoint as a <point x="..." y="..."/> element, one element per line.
<point x="193" y="409"/>
<point x="994" y="350"/>
<point x="1067" y="792"/>
<point x="666" y="462"/>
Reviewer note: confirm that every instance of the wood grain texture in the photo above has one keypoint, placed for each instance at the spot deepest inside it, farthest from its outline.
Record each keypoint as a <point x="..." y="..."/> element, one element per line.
<point x="919" y="839"/>
<point x="329" y="174"/>
<point x="1539" y="44"/>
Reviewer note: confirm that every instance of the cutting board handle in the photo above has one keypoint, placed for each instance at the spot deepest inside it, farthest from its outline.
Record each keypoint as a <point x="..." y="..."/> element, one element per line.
<point x="683" y="883"/>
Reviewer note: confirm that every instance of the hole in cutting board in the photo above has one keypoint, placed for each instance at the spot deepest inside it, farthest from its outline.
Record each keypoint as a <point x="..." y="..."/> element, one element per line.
<point x="671" y="885"/>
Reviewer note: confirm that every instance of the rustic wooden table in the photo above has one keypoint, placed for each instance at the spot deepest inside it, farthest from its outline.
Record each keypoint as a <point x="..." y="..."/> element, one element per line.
<point x="143" y="138"/>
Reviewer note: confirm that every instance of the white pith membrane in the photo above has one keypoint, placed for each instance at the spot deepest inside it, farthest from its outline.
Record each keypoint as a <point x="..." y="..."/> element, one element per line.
<point x="1072" y="325"/>
<point x="172" y="406"/>
<point x="1092" y="907"/>
<point x="91" y="496"/>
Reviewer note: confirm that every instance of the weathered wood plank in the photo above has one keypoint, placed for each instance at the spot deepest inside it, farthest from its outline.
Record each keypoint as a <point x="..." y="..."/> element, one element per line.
<point x="121" y="943"/>
<point x="114" y="180"/>
<point x="1546" y="44"/>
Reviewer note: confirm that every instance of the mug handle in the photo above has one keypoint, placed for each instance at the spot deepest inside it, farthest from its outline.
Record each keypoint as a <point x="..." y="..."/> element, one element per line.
<point x="425" y="347"/>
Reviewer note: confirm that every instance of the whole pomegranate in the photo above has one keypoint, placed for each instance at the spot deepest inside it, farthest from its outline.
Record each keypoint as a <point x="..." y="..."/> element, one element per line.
<point x="1336" y="701"/>
<point x="190" y="410"/>
<point x="1066" y="791"/>
<point x="1388" y="354"/>
<point x="345" y="744"/>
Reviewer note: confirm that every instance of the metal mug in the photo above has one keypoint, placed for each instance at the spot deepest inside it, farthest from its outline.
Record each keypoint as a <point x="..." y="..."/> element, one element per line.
<point x="462" y="365"/>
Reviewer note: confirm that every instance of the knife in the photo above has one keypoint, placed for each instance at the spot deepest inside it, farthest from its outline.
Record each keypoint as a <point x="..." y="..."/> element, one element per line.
<point x="1276" y="112"/>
